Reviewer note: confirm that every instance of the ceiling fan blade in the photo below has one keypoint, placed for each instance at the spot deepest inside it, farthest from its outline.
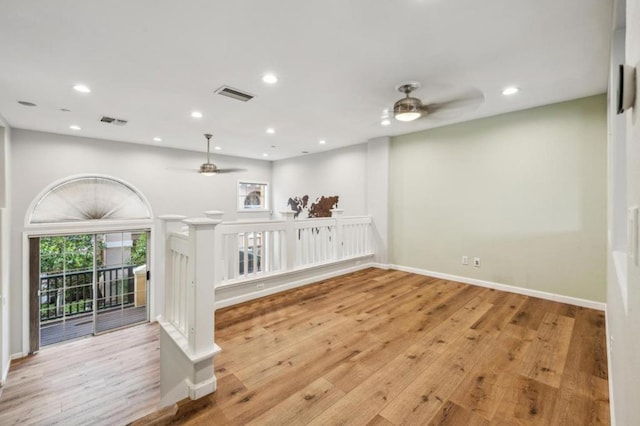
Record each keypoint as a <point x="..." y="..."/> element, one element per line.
<point x="182" y="169"/>
<point x="230" y="170"/>
<point x="459" y="104"/>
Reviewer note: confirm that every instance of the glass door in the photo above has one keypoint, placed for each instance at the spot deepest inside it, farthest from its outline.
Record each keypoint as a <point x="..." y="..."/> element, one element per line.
<point x="121" y="285"/>
<point x="91" y="283"/>
<point x="66" y="287"/>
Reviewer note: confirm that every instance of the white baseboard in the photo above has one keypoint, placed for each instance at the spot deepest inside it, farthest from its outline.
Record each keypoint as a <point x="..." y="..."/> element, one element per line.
<point x="384" y="266"/>
<point x="5" y="373"/>
<point x="291" y="281"/>
<point x="505" y="287"/>
<point x="198" y="390"/>
<point x="612" y="412"/>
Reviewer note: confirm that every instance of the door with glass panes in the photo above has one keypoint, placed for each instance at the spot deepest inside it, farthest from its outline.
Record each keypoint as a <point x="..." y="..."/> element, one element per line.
<point x="88" y="284"/>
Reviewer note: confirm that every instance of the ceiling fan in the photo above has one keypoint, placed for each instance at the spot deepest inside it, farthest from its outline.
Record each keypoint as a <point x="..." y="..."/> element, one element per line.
<point x="410" y="108"/>
<point x="210" y="169"/>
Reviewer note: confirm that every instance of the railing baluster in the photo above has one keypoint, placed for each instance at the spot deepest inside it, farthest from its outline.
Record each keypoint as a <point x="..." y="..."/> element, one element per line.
<point x="269" y="247"/>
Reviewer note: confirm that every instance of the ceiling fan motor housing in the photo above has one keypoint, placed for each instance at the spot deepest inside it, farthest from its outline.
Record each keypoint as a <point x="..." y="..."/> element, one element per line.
<point x="208" y="168"/>
<point x="408" y="107"/>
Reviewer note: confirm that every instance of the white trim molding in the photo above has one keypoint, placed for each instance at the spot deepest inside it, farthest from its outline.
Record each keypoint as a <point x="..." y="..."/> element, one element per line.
<point x="233" y="294"/>
<point x="609" y="338"/>
<point x="600" y="306"/>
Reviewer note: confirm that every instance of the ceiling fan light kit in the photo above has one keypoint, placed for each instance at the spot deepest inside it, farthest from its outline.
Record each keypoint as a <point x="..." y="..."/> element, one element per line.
<point x="210" y="169"/>
<point x="408" y="108"/>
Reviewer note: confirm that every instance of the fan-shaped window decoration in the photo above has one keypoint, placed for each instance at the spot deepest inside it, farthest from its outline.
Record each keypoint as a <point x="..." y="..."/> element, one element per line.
<point x="90" y="198"/>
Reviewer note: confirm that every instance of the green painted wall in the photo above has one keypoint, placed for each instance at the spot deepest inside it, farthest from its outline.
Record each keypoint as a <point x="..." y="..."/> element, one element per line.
<point x="525" y="192"/>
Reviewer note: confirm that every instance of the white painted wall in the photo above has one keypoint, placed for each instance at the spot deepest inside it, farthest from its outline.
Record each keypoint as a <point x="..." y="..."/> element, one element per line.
<point x="525" y="192"/>
<point x="339" y="172"/>
<point x="358" y="174"/>
<point x="377" y="185"/>
<point x="623" y="319"/>
<point x="5" y="151"/>
<point x="4" y="162"/>
<point x="38" y="159"/>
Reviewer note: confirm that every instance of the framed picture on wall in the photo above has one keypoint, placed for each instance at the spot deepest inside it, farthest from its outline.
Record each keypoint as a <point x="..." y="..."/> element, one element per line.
<point x="252" y="196"/>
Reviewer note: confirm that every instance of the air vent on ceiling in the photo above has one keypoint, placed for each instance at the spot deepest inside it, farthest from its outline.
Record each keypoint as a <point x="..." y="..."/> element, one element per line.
<point x="234" y="93"/>
<point x="111" y="120"/>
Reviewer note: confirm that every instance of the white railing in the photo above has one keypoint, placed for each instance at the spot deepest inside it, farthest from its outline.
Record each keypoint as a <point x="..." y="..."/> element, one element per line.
<point x="249" y="249"/>
<point x="176" y="271"/>
<point x="187" y="343"/>
<point x="210" y="254"/>
<point x="315" y="241"/>
<point x="264" y="248"/>
<point x="356" y="236"/>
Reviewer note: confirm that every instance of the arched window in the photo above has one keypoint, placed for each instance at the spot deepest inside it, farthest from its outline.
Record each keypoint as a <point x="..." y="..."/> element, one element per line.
<point x="89" y="198"/>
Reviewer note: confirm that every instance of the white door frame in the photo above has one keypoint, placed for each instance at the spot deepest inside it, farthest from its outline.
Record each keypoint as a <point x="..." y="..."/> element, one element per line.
<point x="85" y="228"/>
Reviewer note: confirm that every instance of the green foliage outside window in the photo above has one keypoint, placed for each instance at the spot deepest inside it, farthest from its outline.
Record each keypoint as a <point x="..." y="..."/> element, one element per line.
<point x="139" y="251"/>
<point x="67" y="253"/>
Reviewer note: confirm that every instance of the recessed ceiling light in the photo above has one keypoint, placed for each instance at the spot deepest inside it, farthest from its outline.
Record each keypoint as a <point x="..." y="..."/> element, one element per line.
<point x="270" y="78"/>
<point x="75" y="127"/>
<point x="81" y="88"/>
<point x="322" y="142"/>
<point x="157" y="139"/>
<point x="196" y="114"/>
<point x="510" y="90"/>
<point x="305" y="152"/>
<point x="25" y="103"/>
<point x="385" y="122"/>
<point x="217" y="148"/>
<point x="271" y="130"/>
<point x="265" y="154"/>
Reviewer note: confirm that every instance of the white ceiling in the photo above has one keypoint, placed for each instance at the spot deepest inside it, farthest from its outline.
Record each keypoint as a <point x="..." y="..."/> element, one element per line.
<point x="152" y="62"/>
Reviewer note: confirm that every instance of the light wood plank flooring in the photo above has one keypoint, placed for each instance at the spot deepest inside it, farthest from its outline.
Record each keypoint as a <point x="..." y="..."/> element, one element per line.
<point x="374" y="347"/>
<point x="111" y="379"/>
<point x="82" y="325"/>
<point x="389" y="348"/>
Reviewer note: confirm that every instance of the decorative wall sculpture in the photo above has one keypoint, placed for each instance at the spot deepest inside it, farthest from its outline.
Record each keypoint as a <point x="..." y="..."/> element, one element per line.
<point x="321" y="207"/>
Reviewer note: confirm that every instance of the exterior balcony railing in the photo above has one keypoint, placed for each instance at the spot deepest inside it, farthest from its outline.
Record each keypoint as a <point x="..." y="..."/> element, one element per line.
<point x="72" y="293"/>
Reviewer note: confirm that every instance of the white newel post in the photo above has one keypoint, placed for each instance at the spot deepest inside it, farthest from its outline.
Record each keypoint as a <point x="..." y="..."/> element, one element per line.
<point x="214" y="214"/>
<point x="337" y="215"/>
<point x="201" y="297"/>
<point x="290" y="235"/>
<point x="186" y="362"/>
<point x="166" y="224"/>
<point x="217" y="215"/>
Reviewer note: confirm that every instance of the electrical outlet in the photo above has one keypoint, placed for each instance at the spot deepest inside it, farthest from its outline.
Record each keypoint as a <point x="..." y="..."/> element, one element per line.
<point x="465" y="260"/>
<point x="260" y="286"/>
<point x="476" y="262"/>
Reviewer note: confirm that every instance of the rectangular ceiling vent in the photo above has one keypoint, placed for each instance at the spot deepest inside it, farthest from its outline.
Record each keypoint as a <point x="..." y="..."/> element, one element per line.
<point x="230" y="92"/>
<point x="111" y="120"/>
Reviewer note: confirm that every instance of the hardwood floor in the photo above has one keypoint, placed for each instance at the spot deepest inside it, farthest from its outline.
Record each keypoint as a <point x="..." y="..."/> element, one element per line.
<point x="82" y="325"/>
<point x="111" y="379"/>
<point x="389" y="348"/>
<point x="372" y="348"/>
